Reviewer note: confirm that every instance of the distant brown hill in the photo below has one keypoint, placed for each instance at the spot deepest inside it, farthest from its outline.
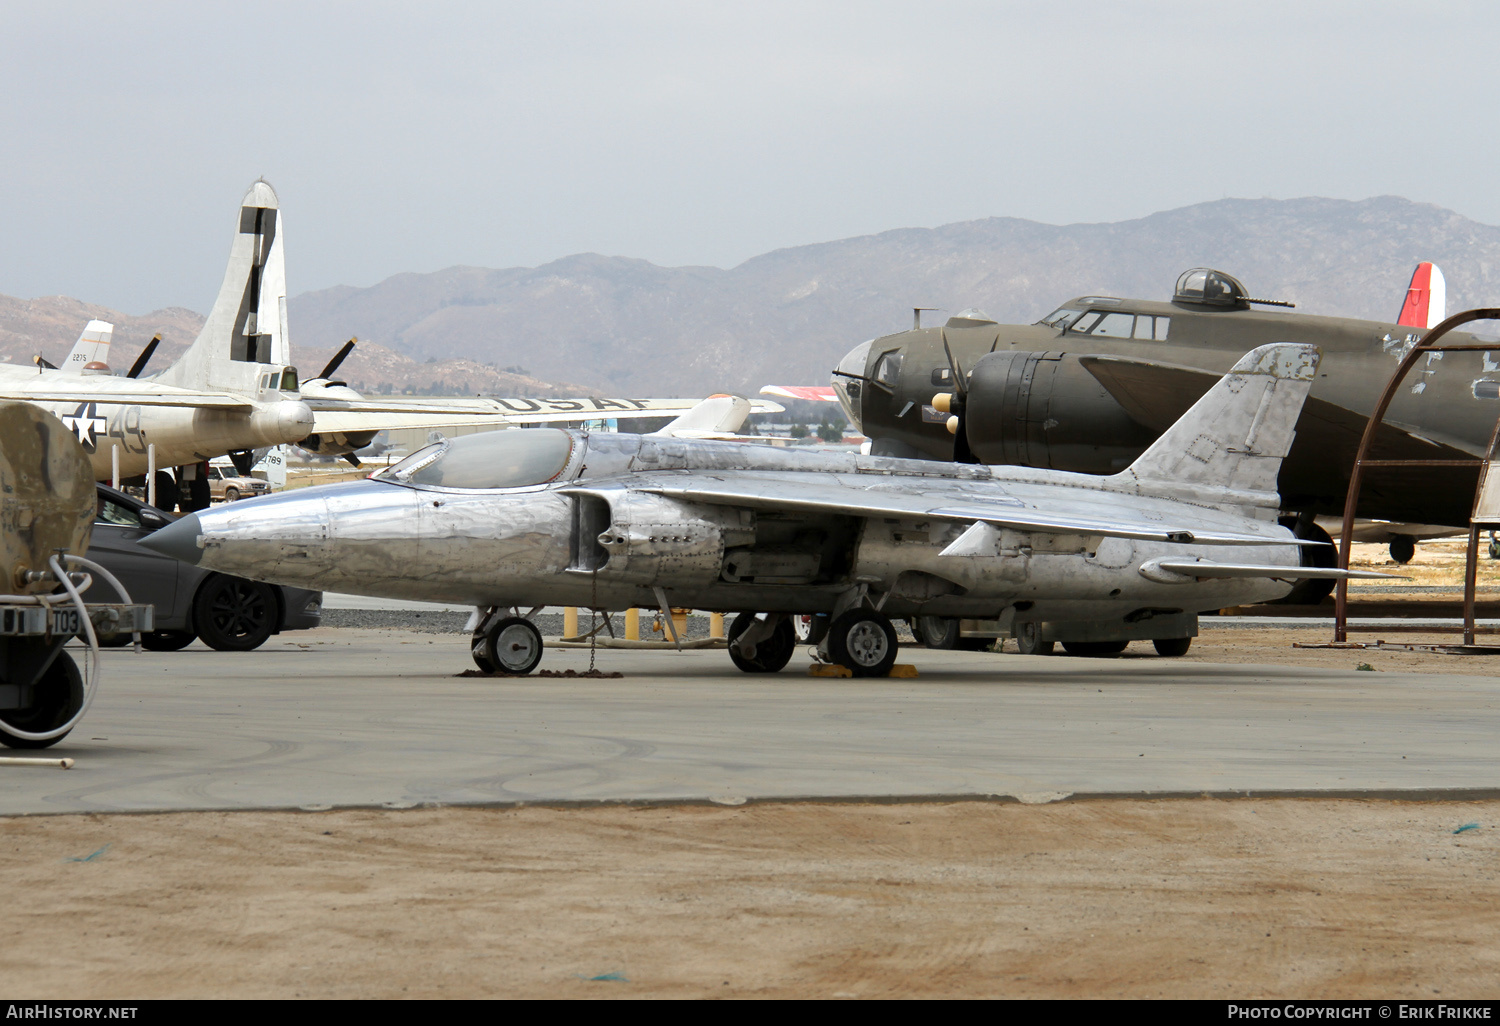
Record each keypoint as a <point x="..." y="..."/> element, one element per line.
<point x="48" y="326"/>
<point x="620" y="325"/>
<point x="626" y="325"/>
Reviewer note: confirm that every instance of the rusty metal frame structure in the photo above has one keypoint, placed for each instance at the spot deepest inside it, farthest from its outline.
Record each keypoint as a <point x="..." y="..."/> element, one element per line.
<point x="1428" y="344"/>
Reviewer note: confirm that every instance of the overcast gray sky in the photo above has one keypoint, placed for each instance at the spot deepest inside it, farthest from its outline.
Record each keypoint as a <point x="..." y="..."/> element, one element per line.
<point x="411" y="137"/>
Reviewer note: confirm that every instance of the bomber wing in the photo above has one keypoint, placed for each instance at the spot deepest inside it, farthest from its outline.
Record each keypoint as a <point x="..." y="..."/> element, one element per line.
<point x="831" y="498"/>
<point x="331" y="415"/>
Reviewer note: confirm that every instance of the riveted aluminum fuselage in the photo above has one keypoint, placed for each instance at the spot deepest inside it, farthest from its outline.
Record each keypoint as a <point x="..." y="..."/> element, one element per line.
<point x="598" y="535"/>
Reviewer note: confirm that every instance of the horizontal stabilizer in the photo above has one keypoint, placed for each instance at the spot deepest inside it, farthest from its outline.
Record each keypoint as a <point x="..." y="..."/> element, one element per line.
<point x="715" y="417"/>
<point x="815" y="393"/>
<point x="1165" y="570"/>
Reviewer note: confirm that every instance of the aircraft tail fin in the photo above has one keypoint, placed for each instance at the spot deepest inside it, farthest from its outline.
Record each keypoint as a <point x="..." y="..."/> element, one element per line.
<point x="246" y="331"/>
<point x="1426" y="297"/>
<point x="1226" y="450"/>
<point x="92" y="347"/>
<point x="717" y="416"/>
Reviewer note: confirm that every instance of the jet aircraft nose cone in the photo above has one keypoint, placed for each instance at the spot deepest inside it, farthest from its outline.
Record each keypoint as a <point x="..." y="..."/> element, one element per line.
<point x="182" y="540"/>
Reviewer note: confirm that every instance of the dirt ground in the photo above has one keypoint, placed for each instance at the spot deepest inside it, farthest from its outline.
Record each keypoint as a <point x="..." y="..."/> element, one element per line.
<point x="1191" y="898"/>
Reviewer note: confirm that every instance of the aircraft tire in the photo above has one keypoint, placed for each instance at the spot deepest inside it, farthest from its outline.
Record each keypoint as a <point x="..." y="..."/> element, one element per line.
<point x="59" y="696"/>
<point x="233" y="614"/>
<point x="772" y="654"/>
<point x="479" y="647"/>
<point x="1403" y="548"/>
<point x="863" y="642"/>
<point x="1029" y="640"/>
<point x="1171" y="648"/>
<point x="810" y="629"/>
<point x="1094" y="648"/>
<point x="1312" y="591"/>
<point x="166" y="641"/>
<point x="166" y="491"/>
<point x="513" y="645"/>
<point x="939" y="632"/>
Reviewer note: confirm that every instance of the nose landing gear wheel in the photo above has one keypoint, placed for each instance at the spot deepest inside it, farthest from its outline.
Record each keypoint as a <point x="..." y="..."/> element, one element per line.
<point x="512" y="645"/>
<point x="863" y="642"/>
<point x="771" y="654"/>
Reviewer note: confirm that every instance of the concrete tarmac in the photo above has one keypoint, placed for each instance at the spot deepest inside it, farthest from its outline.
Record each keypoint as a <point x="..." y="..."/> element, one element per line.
<point x="377" y="717"/>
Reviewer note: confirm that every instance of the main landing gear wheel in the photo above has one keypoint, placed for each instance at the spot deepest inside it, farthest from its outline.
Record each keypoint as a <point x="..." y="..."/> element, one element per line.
<point x="936" y="631"/>
<point x="1172" y="647"/>
<point x="1094" y="648"/>
<point x="771" y="654"/>
<point x="863" y="642"/>
<point x="1029" y="640"/>
<point x="56" y="699"/>
<point x="511" y="645"/>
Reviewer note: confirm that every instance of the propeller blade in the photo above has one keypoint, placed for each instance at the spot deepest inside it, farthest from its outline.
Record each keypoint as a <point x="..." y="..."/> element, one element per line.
<point x="43" y="363"/>
<point x="144" y="358"/>
<point x="350" y="457"/>
<point x="338" y="358"/>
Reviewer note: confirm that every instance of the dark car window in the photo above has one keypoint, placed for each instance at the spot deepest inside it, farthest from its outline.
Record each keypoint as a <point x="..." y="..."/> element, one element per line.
<point x="114" y="513"/>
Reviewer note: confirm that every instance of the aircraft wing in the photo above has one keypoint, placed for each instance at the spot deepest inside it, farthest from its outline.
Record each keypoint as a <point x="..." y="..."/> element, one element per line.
<point x="816" y="393"/>
<point x="330" y="415"/>
<point x="792" y="495"/>
<point x="218" y="400"/>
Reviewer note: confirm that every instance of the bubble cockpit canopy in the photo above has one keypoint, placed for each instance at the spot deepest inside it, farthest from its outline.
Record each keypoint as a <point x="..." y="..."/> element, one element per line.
<point x="508" y="458"/>
<point x="1208" y="287"/>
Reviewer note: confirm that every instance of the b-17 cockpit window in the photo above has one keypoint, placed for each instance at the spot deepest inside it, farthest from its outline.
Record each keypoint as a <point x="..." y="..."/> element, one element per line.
<point x="509" y="458"/>
<point x="1115" y="325"/>
<point x="1058" y="319"/>
<point x="289" y="380"/>
<point x="1141" y="327"/>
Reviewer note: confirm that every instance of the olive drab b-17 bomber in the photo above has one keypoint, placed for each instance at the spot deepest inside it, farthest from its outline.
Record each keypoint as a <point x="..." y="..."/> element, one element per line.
<point x="235" y="389"/>
<point x="1091" y="385"/>
<point x="512" y="520"/>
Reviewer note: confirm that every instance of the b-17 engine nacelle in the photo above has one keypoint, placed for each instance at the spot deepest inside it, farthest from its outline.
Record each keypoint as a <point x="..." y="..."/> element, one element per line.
<point x="1045" y="410"/>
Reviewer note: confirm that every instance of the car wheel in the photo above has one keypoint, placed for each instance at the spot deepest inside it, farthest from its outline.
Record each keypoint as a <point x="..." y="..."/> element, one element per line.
<point x="513" y="645"/>
<point x="771" y="654"/>
<point x="936" y="631"/>
<point x="233" y="614"/>
<point x="58" y="697"/>
<point x="1172" y="647"/>
<point x="1029" y="640"/>
<point x="863" y="642"/>
<point x="1094" y="648"/>
<point x="231" y="495"/>
<point x="166" y="641"/>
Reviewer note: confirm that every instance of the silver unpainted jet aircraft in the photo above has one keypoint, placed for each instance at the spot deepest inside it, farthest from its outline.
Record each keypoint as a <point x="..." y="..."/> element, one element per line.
<point x="516" y="519"/>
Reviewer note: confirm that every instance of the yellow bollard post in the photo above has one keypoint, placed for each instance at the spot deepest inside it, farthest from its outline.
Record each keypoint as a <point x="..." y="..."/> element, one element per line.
<point x="632" y="624"/>
<point x="716" y="625"/>
<point x="679" y="621"/>
<point x="570" y="621"/>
